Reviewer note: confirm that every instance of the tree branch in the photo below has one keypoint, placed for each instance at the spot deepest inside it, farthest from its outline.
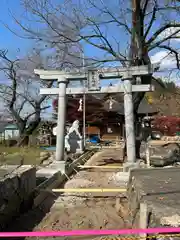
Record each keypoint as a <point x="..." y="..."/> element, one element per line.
<point x="112" y="15"/>
<point x="33" y="113"/>
<point x="153" y="18"/>
<point x="106" y="44"/>
<point x="21" y="106"/>
<point x="145" y="7"/>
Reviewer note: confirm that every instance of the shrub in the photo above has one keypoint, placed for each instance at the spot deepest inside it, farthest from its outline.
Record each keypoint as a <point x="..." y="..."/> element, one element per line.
<point x="168" y="125"/>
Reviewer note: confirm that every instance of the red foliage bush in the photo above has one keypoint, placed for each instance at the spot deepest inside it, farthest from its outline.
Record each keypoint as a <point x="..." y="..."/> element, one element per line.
<point x="168" y="125"/>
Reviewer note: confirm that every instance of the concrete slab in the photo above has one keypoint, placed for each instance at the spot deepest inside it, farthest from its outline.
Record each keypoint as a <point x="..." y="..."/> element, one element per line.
<point x="6" y="170"/>
<point x="46" y="172"/>
<point x="50" y="170"/>
<point x="9" y="167"/>
<point x="160" y="189"/>
<point x="3" y="173"/>
<point x="16" y="192"/>
<point x="59" y="166"/>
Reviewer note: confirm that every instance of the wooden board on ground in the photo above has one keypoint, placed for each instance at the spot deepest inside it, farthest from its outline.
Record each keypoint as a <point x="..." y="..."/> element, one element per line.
<point x="162" y="142"/>
<point x="89" y="190"/>
<point x="100" y="166"/>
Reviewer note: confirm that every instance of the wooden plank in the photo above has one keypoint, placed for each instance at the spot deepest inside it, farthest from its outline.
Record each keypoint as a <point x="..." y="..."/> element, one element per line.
<point x="148" y="156"/>
<point x="161" y="142"/>
<point x="143" y="220"/>
<point x="89" y="190"/>
<point x="101" y="167"/>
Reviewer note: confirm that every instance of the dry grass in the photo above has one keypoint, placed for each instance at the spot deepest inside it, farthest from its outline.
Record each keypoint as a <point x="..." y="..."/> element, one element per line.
<point x="19" y="155"/>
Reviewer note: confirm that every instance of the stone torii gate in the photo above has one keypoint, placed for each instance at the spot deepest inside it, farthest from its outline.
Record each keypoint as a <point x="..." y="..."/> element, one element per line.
<point x="93" y="78"/>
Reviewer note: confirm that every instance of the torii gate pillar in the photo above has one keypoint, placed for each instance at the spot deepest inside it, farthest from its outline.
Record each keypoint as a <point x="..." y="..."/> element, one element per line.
<point x="129" y="121"/>
<point x="62" y="82"/>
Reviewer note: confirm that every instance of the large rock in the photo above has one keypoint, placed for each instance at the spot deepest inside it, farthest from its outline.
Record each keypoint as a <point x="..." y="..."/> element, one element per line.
<point x="164" y="155"/>
<point x="161" y="155"/>
<point x="16" y="191"/>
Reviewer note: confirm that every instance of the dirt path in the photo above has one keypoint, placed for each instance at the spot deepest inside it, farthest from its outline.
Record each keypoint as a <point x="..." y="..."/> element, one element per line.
<point x="87" y="210"/>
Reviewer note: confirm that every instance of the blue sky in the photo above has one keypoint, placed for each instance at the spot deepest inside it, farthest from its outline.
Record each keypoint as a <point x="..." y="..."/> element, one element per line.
<point x="9" y="40"/>
<point x="13" y="43"/>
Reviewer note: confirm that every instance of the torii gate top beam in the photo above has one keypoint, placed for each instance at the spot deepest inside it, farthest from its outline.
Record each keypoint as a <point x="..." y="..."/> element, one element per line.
<point x="104" y="73"/>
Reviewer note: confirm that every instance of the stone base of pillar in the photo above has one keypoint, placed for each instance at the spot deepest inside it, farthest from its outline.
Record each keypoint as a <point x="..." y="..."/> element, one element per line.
<point x="129" y="166"/>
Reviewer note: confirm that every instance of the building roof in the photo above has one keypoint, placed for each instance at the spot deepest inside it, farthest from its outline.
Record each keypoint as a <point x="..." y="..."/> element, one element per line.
<point x="11" y="126"/>
<point x="7" y="126"/>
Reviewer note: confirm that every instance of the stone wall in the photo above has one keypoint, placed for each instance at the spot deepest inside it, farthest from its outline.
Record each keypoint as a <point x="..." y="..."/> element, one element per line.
<point x="17" y="184"/>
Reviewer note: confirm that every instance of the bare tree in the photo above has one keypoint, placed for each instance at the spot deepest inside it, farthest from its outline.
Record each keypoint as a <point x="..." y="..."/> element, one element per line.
<point x="125" y="32"/>
<point x="20" y="91"/>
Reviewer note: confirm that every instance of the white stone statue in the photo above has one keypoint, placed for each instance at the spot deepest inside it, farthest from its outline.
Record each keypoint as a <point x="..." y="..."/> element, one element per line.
<point x="75" y="127"/>
<point x="66" y="139"/>
<point x="73" y="139"/>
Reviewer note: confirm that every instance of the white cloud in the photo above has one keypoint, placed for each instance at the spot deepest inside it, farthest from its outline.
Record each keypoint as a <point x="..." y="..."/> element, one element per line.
<point x="159" y="56"/>
<point x="167" y="63"/>
<point x="169" y="32"/>
<point x="166" y="60"/>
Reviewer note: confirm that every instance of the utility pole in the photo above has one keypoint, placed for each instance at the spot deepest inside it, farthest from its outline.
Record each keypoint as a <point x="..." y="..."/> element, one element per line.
<point x="84" y="107"/>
